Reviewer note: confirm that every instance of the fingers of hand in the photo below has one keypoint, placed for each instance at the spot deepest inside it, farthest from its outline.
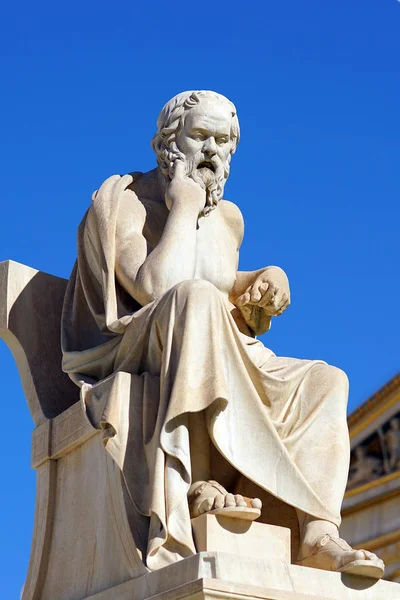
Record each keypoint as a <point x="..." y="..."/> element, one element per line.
<point x="253" y="294"/>
<point x="179" y="169"/>
<point x="244" y="298"/>
<point x="258" y="291"/>
<point x="272" y="311"/>
<point x="247" y="312"/>
<point x="265" y="295"/>
<point x="280" y="300"/>
<point x="283" y="305"/>
<point x="269" y="296"/>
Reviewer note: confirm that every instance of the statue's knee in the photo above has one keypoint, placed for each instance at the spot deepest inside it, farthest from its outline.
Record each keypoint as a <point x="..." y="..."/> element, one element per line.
<point x="196" y="289"/>
<point x="332" y="378"/>
<point x="339" y="378"/>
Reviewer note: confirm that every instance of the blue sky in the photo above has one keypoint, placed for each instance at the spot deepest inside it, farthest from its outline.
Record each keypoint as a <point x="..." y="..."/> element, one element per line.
<point x="316" y="173"/>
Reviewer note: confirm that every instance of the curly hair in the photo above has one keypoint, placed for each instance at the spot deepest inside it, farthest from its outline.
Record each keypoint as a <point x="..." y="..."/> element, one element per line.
<point x="170" y="119"/>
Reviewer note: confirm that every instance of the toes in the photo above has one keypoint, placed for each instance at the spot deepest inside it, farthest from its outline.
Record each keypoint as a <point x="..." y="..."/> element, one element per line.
<point x="219" y="501"/>
<point x="206" y="505"/>
<point x="344" y="558"/>
<point x="240" y="501"/>
<point x="230" y="500"/>
<point x="371" y="555"/>
<point x="225" y="500"/>
<point x="256" y="503"/>
<point x="365" y="555"/>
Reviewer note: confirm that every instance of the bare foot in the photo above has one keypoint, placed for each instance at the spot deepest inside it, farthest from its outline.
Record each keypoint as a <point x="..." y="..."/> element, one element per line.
<point x="206" y="496"/>
<point x="334" y="554"/>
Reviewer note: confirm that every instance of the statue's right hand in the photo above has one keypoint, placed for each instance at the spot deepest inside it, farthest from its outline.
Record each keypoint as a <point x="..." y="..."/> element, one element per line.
<point x="182" y="190"/>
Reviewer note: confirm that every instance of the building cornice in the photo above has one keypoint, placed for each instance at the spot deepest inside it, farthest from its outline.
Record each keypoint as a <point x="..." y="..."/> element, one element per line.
<point x="374" y="406"/>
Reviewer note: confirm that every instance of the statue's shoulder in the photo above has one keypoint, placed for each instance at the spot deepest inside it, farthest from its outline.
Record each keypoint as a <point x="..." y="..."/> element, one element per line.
<point x="233" y="217"/>
<point x="117" y="194"/>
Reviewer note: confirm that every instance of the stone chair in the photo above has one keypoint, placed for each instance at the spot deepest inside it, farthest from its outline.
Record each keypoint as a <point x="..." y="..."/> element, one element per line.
<point x="84" y="540"/>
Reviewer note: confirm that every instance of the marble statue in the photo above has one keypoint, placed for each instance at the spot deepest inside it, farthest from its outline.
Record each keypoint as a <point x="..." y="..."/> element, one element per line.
<point x="156" y="293"/>
<point x="393" y="443"/>
<point x="365" y="467"/>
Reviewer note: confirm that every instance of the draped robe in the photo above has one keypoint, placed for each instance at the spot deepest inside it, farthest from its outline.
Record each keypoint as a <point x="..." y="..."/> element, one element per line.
<point x="281" y="422"/>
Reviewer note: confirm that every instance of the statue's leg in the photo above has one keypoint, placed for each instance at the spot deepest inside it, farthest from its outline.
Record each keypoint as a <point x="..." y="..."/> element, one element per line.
<point x="206" y="495"/>
<point x="321" y="547"/>
<point x="184" y="343"/>
<point x="200" y="455"/>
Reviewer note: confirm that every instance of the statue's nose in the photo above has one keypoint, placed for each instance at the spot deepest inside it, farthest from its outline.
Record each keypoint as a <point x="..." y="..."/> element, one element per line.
<point x="209" y="146"/>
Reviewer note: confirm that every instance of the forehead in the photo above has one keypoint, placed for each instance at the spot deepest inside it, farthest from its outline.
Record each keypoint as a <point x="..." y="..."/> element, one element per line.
<point x="209" y="114"/>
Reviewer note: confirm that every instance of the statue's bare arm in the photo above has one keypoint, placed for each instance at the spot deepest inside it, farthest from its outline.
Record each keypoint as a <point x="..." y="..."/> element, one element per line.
<point x="259" y="294"/>
<point x="148" y="277"/>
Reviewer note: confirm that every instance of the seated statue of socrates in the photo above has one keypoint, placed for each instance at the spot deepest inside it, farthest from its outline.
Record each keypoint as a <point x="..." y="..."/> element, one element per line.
<point x="156" y="294"/>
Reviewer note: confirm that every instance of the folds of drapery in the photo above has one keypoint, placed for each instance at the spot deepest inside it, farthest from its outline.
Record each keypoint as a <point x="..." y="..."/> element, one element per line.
<point x="280" y="422"/>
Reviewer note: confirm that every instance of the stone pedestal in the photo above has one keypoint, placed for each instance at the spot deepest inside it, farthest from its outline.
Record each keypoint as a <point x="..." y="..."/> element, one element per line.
<point x="242" y="538"/>
<point x="217" y="575"/>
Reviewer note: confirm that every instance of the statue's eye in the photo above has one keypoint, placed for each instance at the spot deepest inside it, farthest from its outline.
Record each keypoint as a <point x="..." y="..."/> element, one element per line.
<point x="199" y="136"/>
<point x="222" y="140"/>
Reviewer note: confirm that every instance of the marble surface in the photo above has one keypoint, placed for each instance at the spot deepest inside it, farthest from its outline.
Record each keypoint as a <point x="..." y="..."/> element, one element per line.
<point x="156" y="294"/>
<point x="242" y="538"/>
<point x="30" y="313"/>
<point x="221" y="575"/>
<point x="159" y="332"/>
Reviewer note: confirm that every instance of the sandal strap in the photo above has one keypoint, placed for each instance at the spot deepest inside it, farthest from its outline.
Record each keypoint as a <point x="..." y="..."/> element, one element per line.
<point x="198" y="488"/>
<point x="342" y="544"/>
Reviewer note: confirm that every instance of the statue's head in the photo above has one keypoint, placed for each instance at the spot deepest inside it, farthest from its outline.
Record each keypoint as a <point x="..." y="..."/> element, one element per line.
<point x="395" y="423"/>
<point x="360" y="452"/>
<point x="202" y="129"/>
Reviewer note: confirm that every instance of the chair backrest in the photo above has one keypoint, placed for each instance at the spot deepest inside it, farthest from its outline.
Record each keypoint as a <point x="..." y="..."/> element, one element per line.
<point x="30" y="317"/>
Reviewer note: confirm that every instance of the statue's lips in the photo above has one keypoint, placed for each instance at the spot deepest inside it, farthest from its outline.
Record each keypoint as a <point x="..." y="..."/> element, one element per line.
<point x="206" y="164"/>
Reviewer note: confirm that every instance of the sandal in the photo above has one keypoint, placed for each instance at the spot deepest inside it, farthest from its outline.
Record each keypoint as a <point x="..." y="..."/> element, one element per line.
<point x="250" y="512"/>
<point x="322" y="556"/>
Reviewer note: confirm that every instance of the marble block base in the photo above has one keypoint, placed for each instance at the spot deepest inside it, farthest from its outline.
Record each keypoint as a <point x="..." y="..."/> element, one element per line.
<point x="243" y="538"/>
<point x="217" y="575"/>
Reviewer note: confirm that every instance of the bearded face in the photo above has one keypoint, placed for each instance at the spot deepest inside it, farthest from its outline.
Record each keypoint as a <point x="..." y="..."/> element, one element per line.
<point x="204" y="141"/>
<point x="211" y="174"/>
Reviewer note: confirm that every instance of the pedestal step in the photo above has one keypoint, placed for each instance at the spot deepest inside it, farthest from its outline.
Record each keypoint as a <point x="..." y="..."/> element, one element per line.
<point x="217" y="575"/>
<point x="243" y="538"/>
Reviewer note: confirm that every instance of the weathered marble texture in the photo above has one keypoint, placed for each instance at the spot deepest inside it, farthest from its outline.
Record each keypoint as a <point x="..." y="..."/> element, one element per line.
<point x="393" y="443"/>
<point x="219" y="575"/>
<point x="246" y="391"/>
<point x="30" y="315"/>
<point x="156" y="294"/>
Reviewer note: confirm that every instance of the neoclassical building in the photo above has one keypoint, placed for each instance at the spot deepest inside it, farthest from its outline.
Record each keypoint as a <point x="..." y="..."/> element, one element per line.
<point x="371" y="506"/>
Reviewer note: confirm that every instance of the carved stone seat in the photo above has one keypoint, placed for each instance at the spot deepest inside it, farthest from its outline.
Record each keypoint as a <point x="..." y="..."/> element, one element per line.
<point x="80" y="517"/>
<point x="84" y="541"/>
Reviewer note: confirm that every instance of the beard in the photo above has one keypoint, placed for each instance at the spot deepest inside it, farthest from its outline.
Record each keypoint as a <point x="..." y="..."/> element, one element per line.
<point x="209" y="173"/>
<point x="211" y="176"/>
